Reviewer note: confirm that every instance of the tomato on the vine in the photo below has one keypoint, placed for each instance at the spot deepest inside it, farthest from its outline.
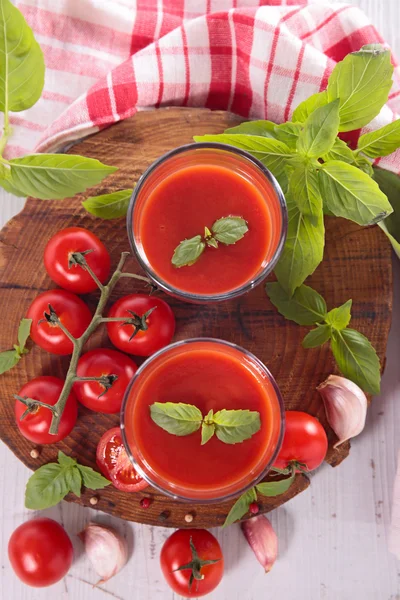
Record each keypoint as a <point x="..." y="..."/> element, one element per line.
<point x="63" y="253"/>
<point x="106" y="363"/>
<point x="70" y="310"/>
<point x="150" y="324"/>
<point x="114" y="463"/>
<point x="304" y="442"/>
<point x="189" y="548"/>
<point x="35" y="426"/>
<point x="40" y="552"/>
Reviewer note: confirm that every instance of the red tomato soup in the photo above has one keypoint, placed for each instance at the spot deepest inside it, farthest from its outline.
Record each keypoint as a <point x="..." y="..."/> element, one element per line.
<point x="191" y="189"/>
<point x="209" y="374"/>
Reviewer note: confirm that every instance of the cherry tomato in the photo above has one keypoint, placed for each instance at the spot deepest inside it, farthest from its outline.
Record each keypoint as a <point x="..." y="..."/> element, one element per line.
<point x="304" y="441"/>
<point x="58" y="258"/>
<point x="103" y="362"/>
<point x="72" y="312"/>
<point x="153" y="331"/>
<point x="40" y="552"/>
<point x="192" y="546"/>
<point x="114" y="463"/>
<point x="35" y="426"/>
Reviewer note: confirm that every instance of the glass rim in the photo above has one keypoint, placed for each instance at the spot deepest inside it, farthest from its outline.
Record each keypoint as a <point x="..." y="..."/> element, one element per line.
<point x="259" y="364"/>
<point x="194" y="297"/>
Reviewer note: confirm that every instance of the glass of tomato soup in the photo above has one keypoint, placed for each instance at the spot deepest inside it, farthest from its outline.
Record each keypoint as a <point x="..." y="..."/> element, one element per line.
<point x="187" y="194"/>
<point x="209" y="374"/>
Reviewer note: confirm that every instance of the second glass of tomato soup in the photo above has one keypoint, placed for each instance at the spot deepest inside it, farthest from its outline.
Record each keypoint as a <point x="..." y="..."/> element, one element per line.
<point x="226" y="206"/>
<point x="208" y="374"/>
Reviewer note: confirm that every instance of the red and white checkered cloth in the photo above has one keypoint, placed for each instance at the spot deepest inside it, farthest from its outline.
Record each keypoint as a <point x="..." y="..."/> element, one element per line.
<point x="106" y="59"/>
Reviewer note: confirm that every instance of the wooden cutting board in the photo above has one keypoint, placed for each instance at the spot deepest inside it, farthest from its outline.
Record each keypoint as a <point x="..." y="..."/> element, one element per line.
<point x="357" y="265"/>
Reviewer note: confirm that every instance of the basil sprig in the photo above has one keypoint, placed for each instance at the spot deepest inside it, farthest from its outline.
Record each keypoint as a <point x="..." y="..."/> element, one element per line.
<point x="317" y="171"/>
<point x="353" y="352"/>
<point x="230" y="426"/>
<point x="227" y="230"/>
<point x="52" y="482"/>
<point x="10" y="358"/>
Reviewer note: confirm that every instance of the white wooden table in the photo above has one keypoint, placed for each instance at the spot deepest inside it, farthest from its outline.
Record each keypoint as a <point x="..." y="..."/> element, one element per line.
<point x="333" y="537"/>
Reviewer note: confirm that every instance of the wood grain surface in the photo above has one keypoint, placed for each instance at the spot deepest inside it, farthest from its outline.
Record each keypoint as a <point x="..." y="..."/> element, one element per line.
<point x="357" y="265"/>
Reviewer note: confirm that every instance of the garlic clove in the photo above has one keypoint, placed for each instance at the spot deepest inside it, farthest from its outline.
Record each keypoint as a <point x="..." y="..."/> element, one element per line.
<point x="106" y="549"/>
<point x="345" y="406"/>
<point x="262" y="539"/>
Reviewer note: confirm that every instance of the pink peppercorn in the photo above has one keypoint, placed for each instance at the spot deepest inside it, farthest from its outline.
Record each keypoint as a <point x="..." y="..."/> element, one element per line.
<point x="254" y="508"/>
<point x="145" y="502"/>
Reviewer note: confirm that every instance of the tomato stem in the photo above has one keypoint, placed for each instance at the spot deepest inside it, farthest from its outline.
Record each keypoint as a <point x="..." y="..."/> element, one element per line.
<point x="195" y="565"/>
<point x="79" y="343"/>
<point x="33" y="404"/>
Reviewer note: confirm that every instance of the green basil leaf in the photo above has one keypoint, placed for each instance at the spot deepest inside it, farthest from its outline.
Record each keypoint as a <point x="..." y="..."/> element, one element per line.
<point x="340" y="317"/>
<point x="236" y="426"/>
<point x="380" y="142"/>
<point x="23" y="332"/>
<point x="340" y="151"/>
<point x="74" y="480"/>
<point x="241" y="507"/>
<point x="8" y="360"/>
<point x="272" y="153"/>
<point x="188" y="252"/>
<point x="92" y="479"/>
<point x="21" y="61"/>
<point x="56" y="176"/>
<point x="364" y="164"/>
<point x="317" y="337"/>
<point x="109" y="206"/>
<point x="362" y="81"/>
<point x="357" y="359"/>
<point x="46" y="487"/>
<point x="263" y="128"/>
<point x="207" y="431"/>
<point x="176" y="418"/>
<point x="275" y="488"/>
<point x="288" y="133"/>
<point x="304" y="247"/>
<point x="65" y="461"/>
<point x="305" y="108"/>
<point x="389" y="183"/>
<point x="320" y="131"/>
<point x="229" y="230"/>
<point x="304" y="189"/>
<point x="352" y="194"/>
<point x="304" y="307"/>
<point x="8" y="186"/>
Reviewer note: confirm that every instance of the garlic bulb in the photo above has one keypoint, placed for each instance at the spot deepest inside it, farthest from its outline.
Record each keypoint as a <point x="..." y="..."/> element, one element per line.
<point x="106" y="549"/>
<point x="262" y="539"/>
<point x="345" y="405"/>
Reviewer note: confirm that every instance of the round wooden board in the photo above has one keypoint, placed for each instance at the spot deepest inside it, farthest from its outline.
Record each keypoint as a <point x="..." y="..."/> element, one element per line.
<point x="357" y="265"/>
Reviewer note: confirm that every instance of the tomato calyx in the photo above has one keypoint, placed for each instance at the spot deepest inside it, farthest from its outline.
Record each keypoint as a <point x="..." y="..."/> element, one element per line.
<point x="51" y="317"/>
<point x="139" y="322"/>
<point x="196" y="564"/>
<point x="294" y="466"/>
<point x="106" y="381"/>
<point x="77" y="259"/>
<point x="32" y="406"/>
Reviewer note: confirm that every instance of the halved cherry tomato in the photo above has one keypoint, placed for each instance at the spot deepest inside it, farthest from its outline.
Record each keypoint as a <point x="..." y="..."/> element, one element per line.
<point x="114" y="463"/>
<point x="304" y="441"/>
<point x="35" y="426"/>
<point x="72" y="312"/>
<point x="62" y="268"/>
<point x="150" y="333"/>
<point x="187" y="546"/>
<point x="104" y="362"/>
<point x="40" y="552"/>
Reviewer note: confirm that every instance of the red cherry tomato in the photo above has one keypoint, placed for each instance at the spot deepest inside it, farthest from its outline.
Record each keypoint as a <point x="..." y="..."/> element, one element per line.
<point x="35" y="426"/>
<point x="72" y="312"/>
<point x="101" y="363"/>
<point x="153" y="332"/>
<point x="304" y="441"/>
<point x="114" y="463"/>
<point x="40" y="552"/>
<point x="177" y="552"/>
<point x="57" y="257"/>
